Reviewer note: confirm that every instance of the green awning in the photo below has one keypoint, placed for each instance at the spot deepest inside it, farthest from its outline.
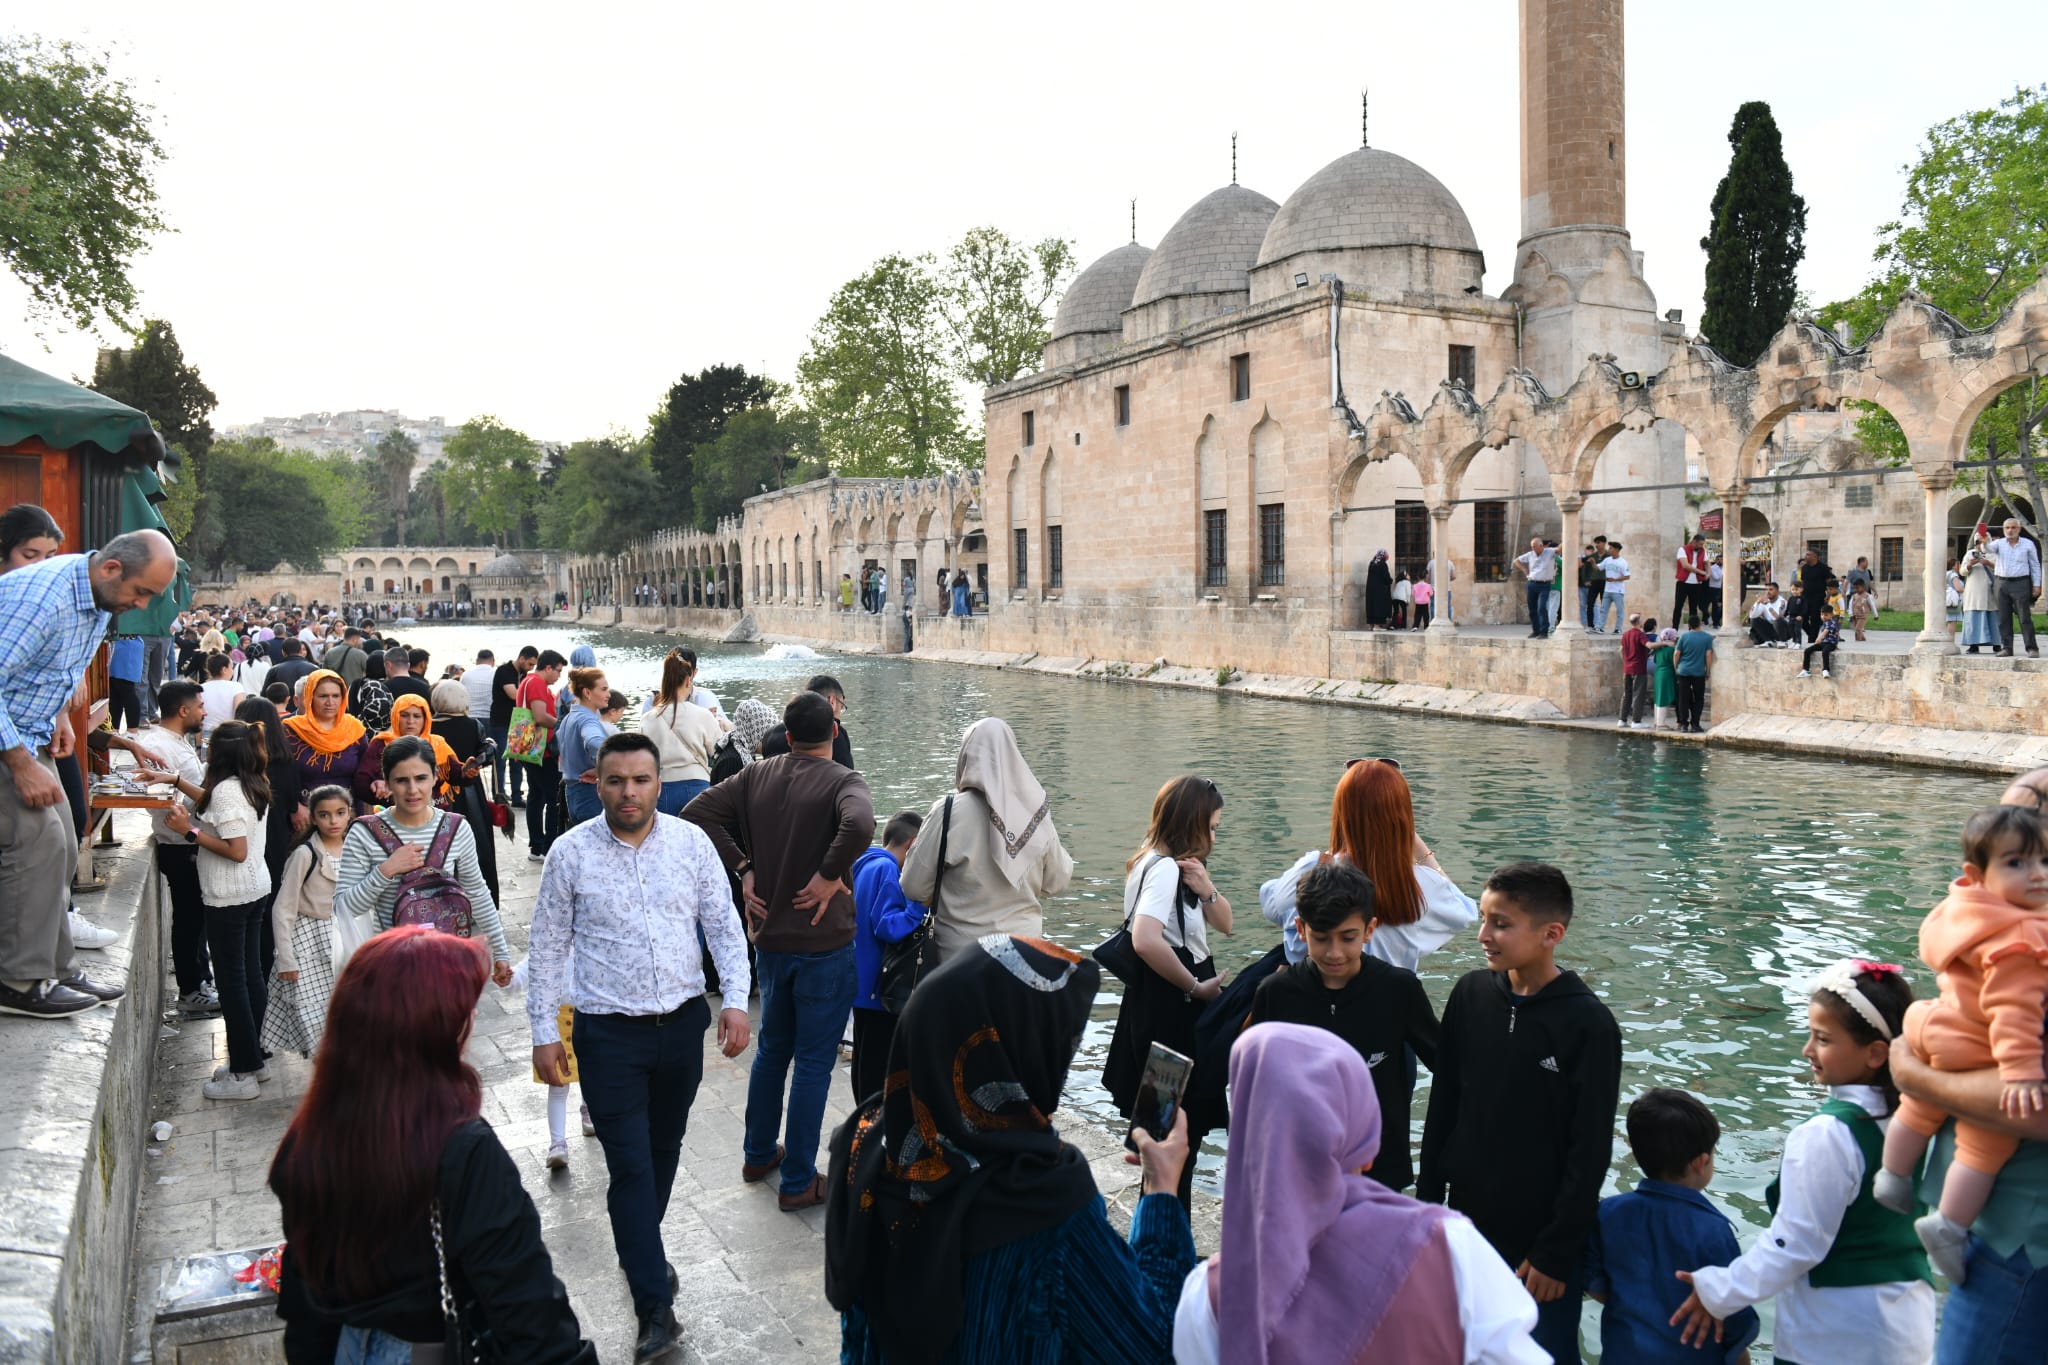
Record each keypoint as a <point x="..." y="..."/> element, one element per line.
<point x="141" y="491"/>
<point x="60" y="414"/>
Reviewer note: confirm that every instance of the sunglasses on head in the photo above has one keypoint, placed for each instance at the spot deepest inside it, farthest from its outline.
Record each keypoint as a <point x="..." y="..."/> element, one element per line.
<point x="1351" y="763"/>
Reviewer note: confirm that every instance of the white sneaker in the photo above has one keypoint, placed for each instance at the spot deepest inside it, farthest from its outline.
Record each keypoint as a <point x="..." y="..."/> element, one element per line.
<point x="198" y="1005"/>
<point x="589" y="1128"/>
<point x="263" y="1074"/>
<point x="558" y="1156"/>
<point x="1825" y="674"/>
<point x="1804" y="674"/>
<point x="86" y="934"/>
<point x="232" y="1087"/>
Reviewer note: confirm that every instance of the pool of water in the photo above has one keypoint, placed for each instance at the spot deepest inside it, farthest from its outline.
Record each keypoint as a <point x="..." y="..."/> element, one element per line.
<point x="1711" y="885"/>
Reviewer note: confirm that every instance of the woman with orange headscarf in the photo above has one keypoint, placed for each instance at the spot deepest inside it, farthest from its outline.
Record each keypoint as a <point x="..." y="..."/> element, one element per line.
<point x="1372" y="827"/>
<point x="410" y="716"/>
<point x="326" y="742"/>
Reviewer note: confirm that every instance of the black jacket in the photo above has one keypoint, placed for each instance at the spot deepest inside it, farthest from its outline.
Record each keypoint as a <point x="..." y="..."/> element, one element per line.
<point x="1381" y="1012"/>
<point x="1521" y="1116"/>
<point x="1813" y="583"/>
<point x="776" y="741"/>
<point x="495" y="1259"/>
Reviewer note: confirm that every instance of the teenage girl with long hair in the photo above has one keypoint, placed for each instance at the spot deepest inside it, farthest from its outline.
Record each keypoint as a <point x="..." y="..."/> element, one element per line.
<point x="1171" y="904"/>
<point x="234" y="882"/>
<point x="1372" y="827"/>
<point x="302" y="924"/>
<point x="685" y="734"/>
<point x="387" y="1156"/>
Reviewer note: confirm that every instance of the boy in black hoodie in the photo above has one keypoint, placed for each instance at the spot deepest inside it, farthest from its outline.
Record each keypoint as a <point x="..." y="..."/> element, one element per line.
<point x="1521" y="1111"/>
<point x="1373" y="1005"/>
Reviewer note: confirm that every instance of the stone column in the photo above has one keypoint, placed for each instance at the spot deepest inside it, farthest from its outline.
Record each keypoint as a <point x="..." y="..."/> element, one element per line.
<point x="1934" y="636"/>
<point x="1568" y="621"/>
<point x="1734" y="630"/>
<point x="1440" y="557"/>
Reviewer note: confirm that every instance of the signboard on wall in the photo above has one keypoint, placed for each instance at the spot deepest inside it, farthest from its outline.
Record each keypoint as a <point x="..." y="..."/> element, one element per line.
<point x="1710" y="522"/>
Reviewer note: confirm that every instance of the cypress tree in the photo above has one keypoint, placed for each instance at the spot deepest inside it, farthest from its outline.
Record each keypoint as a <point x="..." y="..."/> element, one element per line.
<point x="1756" y="241"/>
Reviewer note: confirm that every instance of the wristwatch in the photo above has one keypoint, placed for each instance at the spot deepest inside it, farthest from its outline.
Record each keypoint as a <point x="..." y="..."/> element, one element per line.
<point x="191" y="836"/>
<point x="746" y="866"/>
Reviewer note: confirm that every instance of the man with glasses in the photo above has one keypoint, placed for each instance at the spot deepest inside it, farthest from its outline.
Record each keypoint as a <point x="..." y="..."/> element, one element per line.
<point x="826" y="686"/>
<point x="2018" y="566"/>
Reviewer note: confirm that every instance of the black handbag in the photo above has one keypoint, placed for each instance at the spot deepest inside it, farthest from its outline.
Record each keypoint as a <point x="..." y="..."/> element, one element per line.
<point x="903" y="962"/>
<point x="1118" y="954"/>
<point x="464" y="1345"/>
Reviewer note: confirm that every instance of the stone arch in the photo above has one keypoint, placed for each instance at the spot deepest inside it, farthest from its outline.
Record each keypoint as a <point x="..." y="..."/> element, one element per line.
<point x="1015" y="488"/>
<point x="446" y="567"/>
<point x="1376" y="489"/>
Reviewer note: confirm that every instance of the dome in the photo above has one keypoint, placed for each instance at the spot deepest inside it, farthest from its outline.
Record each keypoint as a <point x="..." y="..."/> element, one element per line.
<point x="505" y="566"/>
<point x="1210" y="250"/>
<point x="1096" y="300"/>
<point x="1376" y="220"/>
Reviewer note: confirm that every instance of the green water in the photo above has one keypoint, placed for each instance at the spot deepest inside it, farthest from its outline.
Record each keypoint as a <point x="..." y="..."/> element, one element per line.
<point x="1711" y="885"/>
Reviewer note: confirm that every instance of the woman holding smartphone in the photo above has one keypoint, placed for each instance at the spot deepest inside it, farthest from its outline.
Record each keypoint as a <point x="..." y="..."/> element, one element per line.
<point x="1170" y="903"/>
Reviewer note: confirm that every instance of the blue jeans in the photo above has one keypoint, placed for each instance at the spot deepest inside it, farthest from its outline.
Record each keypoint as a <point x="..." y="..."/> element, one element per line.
<point x="368" y="1346"/>
<point x="805" y="998"/>
<point x="1539" y="608"/>
<point x="1611" y="606"/>
<point x="582" y="800"/>
<point x="676" y="795"/>
<point x="1999" y="1316"/>
<point x="639" y="1075"/>
<point x="508" y="784"/>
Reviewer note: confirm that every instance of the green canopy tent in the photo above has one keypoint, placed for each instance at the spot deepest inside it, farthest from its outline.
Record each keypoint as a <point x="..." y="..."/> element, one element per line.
<point x="92" y="463"/>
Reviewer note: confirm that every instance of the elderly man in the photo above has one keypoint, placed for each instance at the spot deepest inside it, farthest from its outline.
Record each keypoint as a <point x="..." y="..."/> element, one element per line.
<point x="1539" y="566"/>
<point x="53" y="615"/>
<point x="2018" y="565"/>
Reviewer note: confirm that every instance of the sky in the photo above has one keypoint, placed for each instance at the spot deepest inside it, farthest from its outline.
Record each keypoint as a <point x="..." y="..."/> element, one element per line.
<point x="549" y="213"/>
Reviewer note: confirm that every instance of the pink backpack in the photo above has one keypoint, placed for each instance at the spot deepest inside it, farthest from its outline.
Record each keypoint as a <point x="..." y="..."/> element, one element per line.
<point x="427" y="894"/>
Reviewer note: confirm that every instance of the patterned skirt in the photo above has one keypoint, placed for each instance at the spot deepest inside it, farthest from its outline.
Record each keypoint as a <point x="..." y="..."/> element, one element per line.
<point x="298" y="1009"/>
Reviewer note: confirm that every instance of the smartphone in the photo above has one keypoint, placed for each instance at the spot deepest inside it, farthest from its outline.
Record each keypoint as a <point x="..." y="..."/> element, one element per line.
<point x="1159" y="1091"/>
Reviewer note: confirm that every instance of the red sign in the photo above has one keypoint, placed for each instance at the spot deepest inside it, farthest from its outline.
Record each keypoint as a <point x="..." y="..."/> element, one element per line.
<point x="1710" y="521"/>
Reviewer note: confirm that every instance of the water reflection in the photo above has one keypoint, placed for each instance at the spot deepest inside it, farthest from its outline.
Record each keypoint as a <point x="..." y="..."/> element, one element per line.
<point x="1711" y="885"/>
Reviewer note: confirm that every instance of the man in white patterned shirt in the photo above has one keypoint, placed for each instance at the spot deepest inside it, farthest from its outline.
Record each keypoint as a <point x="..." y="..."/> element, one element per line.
<point x="623" y="900"/>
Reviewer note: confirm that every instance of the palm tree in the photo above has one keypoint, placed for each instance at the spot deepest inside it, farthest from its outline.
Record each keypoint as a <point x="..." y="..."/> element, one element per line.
<point x="395" y="455"/>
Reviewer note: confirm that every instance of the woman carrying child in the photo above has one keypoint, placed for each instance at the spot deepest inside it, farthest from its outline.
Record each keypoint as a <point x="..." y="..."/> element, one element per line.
<point x="302" y="920"/>
<point x="1850" y="1277"/>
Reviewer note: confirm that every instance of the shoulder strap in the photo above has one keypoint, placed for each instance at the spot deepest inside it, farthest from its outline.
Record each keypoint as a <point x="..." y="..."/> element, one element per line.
<point x="1140" y="893"/>
<point x="381" y="832"/>
<point x="437" y="852"/>
<point x="939" y="873"/>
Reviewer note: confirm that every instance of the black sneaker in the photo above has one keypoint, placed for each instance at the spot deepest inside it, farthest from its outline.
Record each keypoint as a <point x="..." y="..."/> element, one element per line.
<point x="660" y="1334"/>
<point x="79" y="982"/>
<point x="46" y="1000"/>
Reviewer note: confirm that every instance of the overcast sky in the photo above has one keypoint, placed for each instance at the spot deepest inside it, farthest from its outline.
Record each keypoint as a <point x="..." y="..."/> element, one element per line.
<point x="549" y="213"/>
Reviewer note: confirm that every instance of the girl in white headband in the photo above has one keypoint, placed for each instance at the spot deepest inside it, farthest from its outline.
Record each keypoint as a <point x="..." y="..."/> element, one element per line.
<point x="1850" y="1277"/>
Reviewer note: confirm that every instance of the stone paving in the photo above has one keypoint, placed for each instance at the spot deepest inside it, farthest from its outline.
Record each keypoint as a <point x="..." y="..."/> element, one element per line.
<point x="751" y="1276"/>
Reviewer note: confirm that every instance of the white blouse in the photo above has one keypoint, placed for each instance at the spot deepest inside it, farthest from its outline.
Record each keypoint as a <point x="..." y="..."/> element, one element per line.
<point x="1871" y="1324"/>
<point x="223" y="881"/>
<point x="1495" y="1313"/>
<point x="685" y="735"/>
<point x="1446" y="913"/>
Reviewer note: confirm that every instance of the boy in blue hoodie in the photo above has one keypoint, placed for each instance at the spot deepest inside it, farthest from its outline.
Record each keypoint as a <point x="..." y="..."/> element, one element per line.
<point x="881" y="915"/>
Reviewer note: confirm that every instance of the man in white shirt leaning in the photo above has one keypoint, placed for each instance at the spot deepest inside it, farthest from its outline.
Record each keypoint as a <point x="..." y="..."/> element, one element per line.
<point x="1539" y="566"/>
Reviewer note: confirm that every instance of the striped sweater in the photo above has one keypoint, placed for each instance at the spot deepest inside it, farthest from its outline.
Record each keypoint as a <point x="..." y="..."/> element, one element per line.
<point x="363" y="890"/>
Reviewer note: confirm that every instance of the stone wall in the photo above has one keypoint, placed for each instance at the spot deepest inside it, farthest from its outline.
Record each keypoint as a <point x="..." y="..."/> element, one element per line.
<point x="1942" y="692"/>
<point x="304" y="588"/>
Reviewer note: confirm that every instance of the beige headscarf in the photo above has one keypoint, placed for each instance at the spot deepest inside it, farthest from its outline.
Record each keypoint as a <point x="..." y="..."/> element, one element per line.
<point x="993" y="765"/>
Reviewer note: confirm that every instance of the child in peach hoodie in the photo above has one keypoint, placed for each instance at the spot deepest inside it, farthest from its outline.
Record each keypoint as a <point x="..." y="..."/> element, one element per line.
<point x="1988" y="944"/>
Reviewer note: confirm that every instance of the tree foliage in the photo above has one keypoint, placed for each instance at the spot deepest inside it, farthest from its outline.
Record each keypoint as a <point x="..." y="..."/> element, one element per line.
<point x="605" y="497"/>
<point x="1755" y="242"/>
<point x="153" y="377"/>
<point x="691" y="416"/>
<point x="996" y="295"/>
<point x="762" y="449"/>
<point x="492" y="475"/>
<point x="879" y="377"/>
<point x="1973" y="233"/>
<point x="394" y="456"/>
<point x="261" y="506"/>
<point x="77" y="190"/>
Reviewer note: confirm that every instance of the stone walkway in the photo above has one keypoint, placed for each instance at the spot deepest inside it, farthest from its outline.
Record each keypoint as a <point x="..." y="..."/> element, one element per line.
<point x="751" y="1275"/>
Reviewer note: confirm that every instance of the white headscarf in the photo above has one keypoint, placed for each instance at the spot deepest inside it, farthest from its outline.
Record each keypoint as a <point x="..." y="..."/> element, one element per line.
<point x="993" y="765"/>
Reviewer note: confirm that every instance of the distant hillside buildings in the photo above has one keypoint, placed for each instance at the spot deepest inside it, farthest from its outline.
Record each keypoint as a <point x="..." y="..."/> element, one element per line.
<point x="355" y="431"/>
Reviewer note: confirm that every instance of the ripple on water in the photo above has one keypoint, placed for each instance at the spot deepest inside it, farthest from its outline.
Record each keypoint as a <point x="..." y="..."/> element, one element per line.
<point x="1711" y="885"/>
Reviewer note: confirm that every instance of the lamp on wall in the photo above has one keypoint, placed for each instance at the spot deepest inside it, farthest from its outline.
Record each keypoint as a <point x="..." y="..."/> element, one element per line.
<point x="1301" y="280"/>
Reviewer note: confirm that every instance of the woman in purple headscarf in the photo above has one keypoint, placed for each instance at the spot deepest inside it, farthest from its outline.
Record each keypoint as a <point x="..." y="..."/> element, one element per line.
<point x="1320" y="1265"/>
<point x="1379" y="593"/>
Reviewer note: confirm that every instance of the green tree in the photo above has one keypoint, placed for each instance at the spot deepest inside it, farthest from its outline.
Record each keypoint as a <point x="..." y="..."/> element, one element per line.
<point x="181" y="495"/>
<point x="761" y="449"/>
<point x="605" y="496"/>
<point x="1755" y="242"/>
<point x="348" y="490"/>
<point x="77" y="190"/>
<point x="263" y="506"/>
<point x="692" y="415"/>
<point x="153" y="377"/>
<point x="395" y="455"/>
<point x="878" y="376"/>
<point x="1971" y="235"/>
<point x="492" y="476"/>
<point x="997" y="298"/>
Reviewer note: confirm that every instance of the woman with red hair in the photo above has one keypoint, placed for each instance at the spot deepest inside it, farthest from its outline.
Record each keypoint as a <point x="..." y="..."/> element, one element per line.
<point x="1372" y="827"/>
<point x="392" y="1186"/>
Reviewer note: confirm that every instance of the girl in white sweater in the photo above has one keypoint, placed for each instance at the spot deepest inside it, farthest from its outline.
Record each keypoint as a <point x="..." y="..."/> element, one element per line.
<point x="226" y="822"/>
<point x="302" y="924"/>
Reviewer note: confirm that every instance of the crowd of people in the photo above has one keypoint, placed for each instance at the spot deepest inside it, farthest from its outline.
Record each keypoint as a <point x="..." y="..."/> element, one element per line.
<point x="330" y="878"/>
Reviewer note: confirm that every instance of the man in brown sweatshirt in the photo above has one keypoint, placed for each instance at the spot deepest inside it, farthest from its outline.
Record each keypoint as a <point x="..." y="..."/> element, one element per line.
<point x="801" y="821"/>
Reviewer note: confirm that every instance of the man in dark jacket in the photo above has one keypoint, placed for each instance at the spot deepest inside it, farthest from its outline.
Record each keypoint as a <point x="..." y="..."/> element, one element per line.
<point x="826" y="686"/>
<point x="1520" y="1132"/>
<point x="804" y="819"/>
<point x="1813" y="591"/>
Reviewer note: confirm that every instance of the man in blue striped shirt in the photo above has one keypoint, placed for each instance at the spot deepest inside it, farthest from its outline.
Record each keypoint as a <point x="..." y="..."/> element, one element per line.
<point x="53" y="616"/>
